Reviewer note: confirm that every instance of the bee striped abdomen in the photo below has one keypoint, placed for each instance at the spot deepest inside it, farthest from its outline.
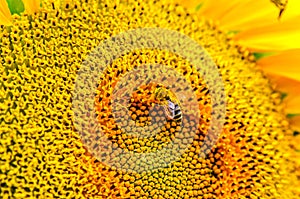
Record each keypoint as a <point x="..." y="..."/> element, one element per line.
<point x="173" y="111"/>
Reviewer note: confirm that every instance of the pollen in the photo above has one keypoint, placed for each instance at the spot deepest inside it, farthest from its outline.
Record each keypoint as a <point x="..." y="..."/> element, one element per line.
<point x="43" y="156"/>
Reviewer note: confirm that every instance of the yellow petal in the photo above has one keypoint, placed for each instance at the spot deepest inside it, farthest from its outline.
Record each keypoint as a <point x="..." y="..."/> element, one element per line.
<point x="217" y="9"/>
<point x="285" y="64"/>
<point x="248" y="15"/>
<point x="191" y="4"/>
<point x="276" y="37"/>
<point x="292" y="88"/>
<point x="5" y="16"/>
<point x="295" y="123"/>
<point x="31" y="6"/>
<point x="292" y="10"/>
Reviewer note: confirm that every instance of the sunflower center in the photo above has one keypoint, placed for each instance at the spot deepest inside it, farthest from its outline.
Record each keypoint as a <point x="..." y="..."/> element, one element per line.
<point x="41" y="56"/>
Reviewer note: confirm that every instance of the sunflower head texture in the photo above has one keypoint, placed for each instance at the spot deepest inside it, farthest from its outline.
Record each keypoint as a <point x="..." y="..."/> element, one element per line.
<point x="43" y="155"/>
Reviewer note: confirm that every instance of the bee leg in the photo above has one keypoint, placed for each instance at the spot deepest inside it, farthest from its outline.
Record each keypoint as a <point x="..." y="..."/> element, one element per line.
<point x="280" y="13"/>
<point x="167" y="112"/>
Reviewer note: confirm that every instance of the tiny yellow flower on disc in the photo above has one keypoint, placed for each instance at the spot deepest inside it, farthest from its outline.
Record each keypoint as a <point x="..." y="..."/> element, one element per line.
<point x="43" y="156"/>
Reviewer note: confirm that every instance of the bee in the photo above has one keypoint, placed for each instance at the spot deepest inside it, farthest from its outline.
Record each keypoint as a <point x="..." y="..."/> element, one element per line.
<point x="171" y="105"/>
<point x="281" y="4"/>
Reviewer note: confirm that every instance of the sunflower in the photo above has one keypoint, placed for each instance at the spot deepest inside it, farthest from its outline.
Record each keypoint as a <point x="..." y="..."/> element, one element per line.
<point x="47" y="47"/>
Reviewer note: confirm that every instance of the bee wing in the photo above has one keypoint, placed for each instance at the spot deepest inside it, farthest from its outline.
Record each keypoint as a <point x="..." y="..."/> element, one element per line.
<point x="171" y="105"/>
